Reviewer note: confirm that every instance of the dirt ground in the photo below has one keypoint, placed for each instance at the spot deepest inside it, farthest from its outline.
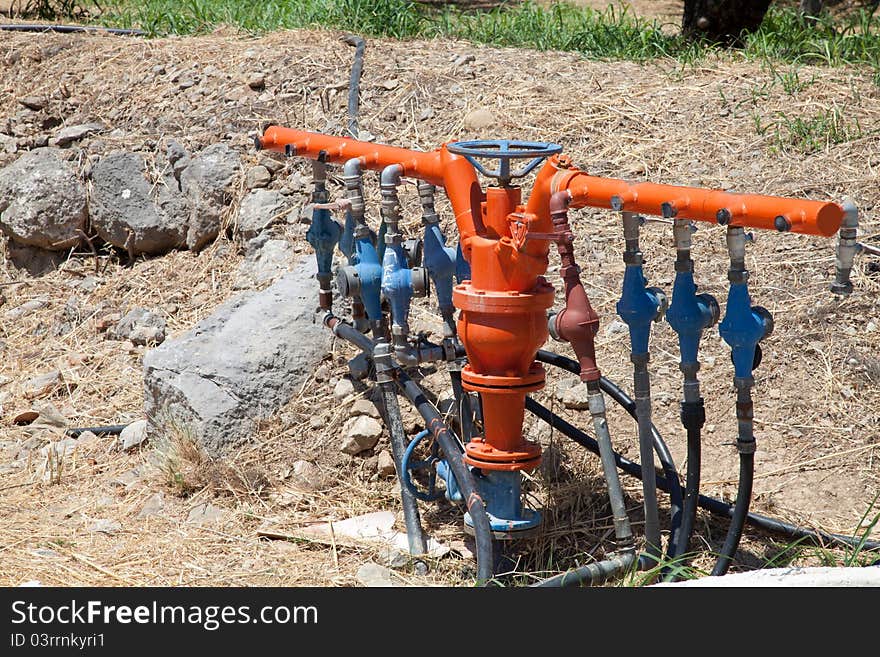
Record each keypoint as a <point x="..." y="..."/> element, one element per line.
<point x="818" y="390"/>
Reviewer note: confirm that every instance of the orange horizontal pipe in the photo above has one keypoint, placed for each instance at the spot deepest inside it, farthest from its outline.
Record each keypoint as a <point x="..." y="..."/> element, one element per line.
<point x="440" y="167"/>
<point x="750" y="210"/>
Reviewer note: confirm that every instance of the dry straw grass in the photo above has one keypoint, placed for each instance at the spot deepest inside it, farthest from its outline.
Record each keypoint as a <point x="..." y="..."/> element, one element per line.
<point x="817" y="397"/>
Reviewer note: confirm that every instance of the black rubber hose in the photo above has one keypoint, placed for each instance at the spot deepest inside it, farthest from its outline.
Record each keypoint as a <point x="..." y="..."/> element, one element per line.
<point x="711" y="504"/>
<point x="691" y="487"/>
<point x="354" y="83"/>
<point x="740" y="512"/>
<point x="68" y="29"/>
<point x="106" y="430"/>
<point x="464" y="478"/>
<point x="626" y="402"/>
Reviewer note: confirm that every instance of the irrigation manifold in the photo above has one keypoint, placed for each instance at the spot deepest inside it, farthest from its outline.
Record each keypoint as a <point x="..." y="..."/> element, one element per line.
<point x="497" y="311"/>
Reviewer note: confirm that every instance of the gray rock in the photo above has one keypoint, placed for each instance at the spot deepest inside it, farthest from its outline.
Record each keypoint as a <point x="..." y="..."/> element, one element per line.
<point x="25" y="309"/>
<point x="207" y="183"/>
<point x="141" y="326"/>
<point x="133" y="435"/>
<point x="43" y="385"/>
<point x="132" y="212"/>
<point x="563" y="385"/>
<point x="394" y="558"/>
<point x="256" y="81"/>
<point x="479" y="119"/>
<point x="360" y="433"/>
<point x="70" y="134"/>
<point x="374" y="575"/>
<point x="34" y="260"/>
<point x="364" y="407"/>
<point x="35" y="103"/>
<point x="8" y="144"/>
<point x="258" y="210"/>
<point x="153" y="506"/>
<point x="105" y="526"/>
<point x="343" y="388"/>
<point x="616" y="327"/>
<point x="265" y="261"/>
<point x="273" y="165"/>
<point x="239" y="365"/>
<point x="385" y="466"/>
<point x="204" y="513"/>
<point x="307" y="475"/>
<point x="576" y="398"/>
<point x="42" y="201"/>
<point x="257" y="176"/>
<point x="129" y="478"/>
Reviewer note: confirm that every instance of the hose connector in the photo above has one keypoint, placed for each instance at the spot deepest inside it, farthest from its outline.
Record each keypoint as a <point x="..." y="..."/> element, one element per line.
<point x="847" y="247"/>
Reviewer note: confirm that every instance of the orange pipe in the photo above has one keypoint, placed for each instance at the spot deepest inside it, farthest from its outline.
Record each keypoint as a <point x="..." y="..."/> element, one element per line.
<point x="748" y="210"/>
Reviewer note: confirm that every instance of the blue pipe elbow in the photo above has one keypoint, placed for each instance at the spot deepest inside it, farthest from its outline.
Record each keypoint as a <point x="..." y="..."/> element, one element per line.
<point x="689" y="314"/>
<point x="743" y="327"/>
<point x="323" y="235"/>
<point x="440" y="261"/>
<point x="638" y="307"/>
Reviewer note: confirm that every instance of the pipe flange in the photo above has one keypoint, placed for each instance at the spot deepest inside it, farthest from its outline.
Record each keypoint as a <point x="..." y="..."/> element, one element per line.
<point x="421" y="282"/>
<point x="348" y="281"/>
<point x="412" y="249"/>
<point x="713" y="306"/>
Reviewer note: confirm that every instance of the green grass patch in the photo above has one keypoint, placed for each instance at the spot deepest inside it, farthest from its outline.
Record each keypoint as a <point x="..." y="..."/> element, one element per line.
<point x="810" y="134"/>
<point x="609" y="34"/>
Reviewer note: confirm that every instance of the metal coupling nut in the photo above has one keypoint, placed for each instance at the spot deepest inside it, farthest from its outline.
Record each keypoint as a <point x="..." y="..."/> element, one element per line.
<point x="421" y="282"/>
<point x="348" y="281"/>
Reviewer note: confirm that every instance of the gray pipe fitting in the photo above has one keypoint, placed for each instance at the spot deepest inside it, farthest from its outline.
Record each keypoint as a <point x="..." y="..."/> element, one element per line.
<point x="847" y="247"/>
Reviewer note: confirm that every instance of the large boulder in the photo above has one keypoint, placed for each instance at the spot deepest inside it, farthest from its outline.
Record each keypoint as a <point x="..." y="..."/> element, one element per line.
<point x="207" y="182"/>
<point x="237" y="366"/>
<point x="258" y="210"/>
<point x="133" y="212"/>
<point x="42" y="201"/>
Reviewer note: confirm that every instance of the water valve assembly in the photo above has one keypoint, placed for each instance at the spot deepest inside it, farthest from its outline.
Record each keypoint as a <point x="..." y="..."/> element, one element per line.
<point x="496" y="306"/>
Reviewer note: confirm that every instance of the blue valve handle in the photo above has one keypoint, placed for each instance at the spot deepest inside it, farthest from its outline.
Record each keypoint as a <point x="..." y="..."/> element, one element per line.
<point x="504" y="150"/>
<point x="409" y="465"/>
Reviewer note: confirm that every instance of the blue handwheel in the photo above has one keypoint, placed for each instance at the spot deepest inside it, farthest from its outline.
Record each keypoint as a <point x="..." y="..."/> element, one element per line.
<point x="504" y="150"/>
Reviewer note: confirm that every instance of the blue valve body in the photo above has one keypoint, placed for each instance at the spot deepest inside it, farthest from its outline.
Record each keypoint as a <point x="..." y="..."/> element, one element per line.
<point x="323" y="235"/>
<point x="440" y="261"/>
<point x="462" y="266"/>
<point x="502" y="495"/>
<point x="397" y="285"/>
<point x="688" y="315"/>
<point x="637" y="308"/>
<point x="743" y="328"/>
<point x="346" y="241"/>
<point x="369" y="269"/>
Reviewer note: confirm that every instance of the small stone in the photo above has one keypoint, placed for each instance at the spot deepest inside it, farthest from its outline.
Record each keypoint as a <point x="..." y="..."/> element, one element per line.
<point x="129" y="478"/>
<point x="616" y="327"/>
<point x="256" y="81"/>
<point x="273" y="165"/>
<point x="393" y="558"/>
<point x="374" y="575"/>
<point x="710" y="428"/>
<point x="708" y="362"/>
<point x="141" y="326"/>
<point x="427" y="113"/>
<point x="133" y="435"/>
<point x="186" y="83"/>
<point x="307" y="475"/>
<point x="385" y="466"/>
<point x="847" y="392"/>
<point x="664" y="398"/>
<point x="562" y="385"/>
<point x="359" y="367"/>
<point x="70" y="134"/>
<point x="204" y="513"/>
<point x="43" y="385"/>
<point x="257" y="176"/>
<point x="46" y="553"/>
<point x="343" y="389"/>
<point x="316" y="422"/>
<point x="390" y="85"/>
<point x="364" y="407"/>
<point x="35" y="103"/>
<point x="360" y="433"/>
<point x="461" y="60"/>
<point x="870" y="327"/>
<point x="25" y="309"/>
<point x="153" y="506"/>
<point x="576" y="398"/>
<point x="105" y="526"/>
<point x="479" y="119"/>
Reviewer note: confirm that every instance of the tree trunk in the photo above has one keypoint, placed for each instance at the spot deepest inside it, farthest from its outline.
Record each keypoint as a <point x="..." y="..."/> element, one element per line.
<point x="722" y="20"/>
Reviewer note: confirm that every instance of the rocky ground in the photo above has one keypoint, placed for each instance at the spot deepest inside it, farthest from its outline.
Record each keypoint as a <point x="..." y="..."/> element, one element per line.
<point x="172" y="121"/>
